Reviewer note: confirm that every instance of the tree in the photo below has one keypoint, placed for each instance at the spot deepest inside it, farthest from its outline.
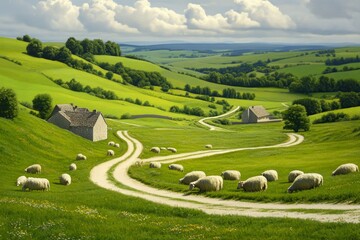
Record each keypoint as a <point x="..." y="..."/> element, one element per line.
<point x="64" y="55"/>
<point x="26" y="38"/>
<point x="295" y="118"/>
<point x="312" y="106"/>
<point x="74" y="46"/>
<point x="50" y="52"/>
<point x="109" y="75"/>
<point x="8" y="103"/>
<point x="43" y="104"/>
<point x="350" y="99"/>
<point x="34" y="48"/>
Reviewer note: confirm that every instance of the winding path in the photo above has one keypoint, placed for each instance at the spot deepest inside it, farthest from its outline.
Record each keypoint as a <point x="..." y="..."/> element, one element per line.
<point x="213" y="128"/>
<point x="131" y="187"/>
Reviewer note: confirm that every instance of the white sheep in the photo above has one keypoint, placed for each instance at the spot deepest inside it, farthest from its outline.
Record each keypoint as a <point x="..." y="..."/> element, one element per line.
<point x="171" y="149"/>
<point x="81" y="157"/>
<point x="155" y="165"/>
<point x="253" y="184"/>
<point x="306" y="181"/>
<point x="293" y="174"/>
<point x="231" y="175"/>
<point x="65" y="179"/>
<point x="191" y="177"/>
<point x="110" y="152"/>
<point x="72" y="167"/>
<point x="155" y="150"/>
<point x="36" y="168"/>
<point x="36" y="184"/>
<point x="21" y="180"/>
<point x="111" y="143"/>
<point x="117" y="145"/>
<point x="209" y="146"/>
<point x="176" y="167"/>
<point x="270" y="175"/>
<point x="209" y="183"/>
<point x="345" y="169"/>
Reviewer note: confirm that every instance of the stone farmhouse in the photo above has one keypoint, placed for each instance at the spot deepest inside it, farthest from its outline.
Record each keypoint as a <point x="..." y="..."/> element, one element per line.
<point x="256" y="114"/>
<point x="87" y="124"/>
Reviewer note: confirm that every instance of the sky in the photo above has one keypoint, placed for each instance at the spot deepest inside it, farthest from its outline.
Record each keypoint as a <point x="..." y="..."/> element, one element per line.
<point x="156" y="21"/>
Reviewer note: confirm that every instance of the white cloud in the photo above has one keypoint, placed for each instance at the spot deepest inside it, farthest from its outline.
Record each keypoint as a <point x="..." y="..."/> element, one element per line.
<point x="267" y="14"/>
<point x="240" y="20"/>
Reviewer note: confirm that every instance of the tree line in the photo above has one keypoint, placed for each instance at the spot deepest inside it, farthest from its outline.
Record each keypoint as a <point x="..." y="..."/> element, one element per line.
<point x="341" y="61"/>
<point x="226" y="93"/>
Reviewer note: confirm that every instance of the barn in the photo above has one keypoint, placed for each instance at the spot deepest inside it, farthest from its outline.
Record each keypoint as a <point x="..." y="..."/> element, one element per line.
<point x="255" y="114"/>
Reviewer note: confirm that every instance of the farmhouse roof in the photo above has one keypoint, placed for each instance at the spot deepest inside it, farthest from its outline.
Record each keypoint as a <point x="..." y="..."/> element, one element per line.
<point x="259" y="111"/>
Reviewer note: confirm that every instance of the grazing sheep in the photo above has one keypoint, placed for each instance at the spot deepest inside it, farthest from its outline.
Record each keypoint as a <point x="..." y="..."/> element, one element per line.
<point x="155" y="150"/>
<point x="111" y="143"/>
<point x="21" y="180"/>
<point x="270" y="175"/>
<point x="139" y="163"/>
<point x="65" y="179"/>
<point x="306" y="181"/>
<point x="176" y="167"/>
<point x="117" y="145"/>
<point x="80" y="157"/>
<point x="171" y="149"/>
<point x="72" y="167"/>
<point x="36" y="168"/>
<point x="293" y="174"/>
<point x="36" y="184"/>
<point x="209" y="183"/>
<point x="110" y="152"/>
<point x="155" y="165"/>
<point x="253" y="184"/>
<point x="191" y="177"/>
<point x="345" y="169"/>
<point x="209" y="146"/>
<point x="231" y="175"/>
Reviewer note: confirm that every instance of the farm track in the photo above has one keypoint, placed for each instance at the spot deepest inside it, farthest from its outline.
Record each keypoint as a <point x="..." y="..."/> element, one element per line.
<point x="124" y="184"/>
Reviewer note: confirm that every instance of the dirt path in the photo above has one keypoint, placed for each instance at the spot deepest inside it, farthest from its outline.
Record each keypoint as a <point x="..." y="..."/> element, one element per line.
<point x="99" y="175"/>
<point x="213" y="128"/>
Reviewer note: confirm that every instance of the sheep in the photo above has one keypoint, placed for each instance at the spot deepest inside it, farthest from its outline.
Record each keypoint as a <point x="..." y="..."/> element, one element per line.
<point x="81" y="157"/>
<point x="72" y="167"/>
<point x="110" y="152"/>
<point x="345" y="169"/>
<point x="111" y="143"/>
<point x="155" y="165"/>
<point x="209" y="146"/>
<point x="253" y="184"/>
<point x="270" y="175"/>
<point x="231" y="175"/>
<point x="176" y="167"/>
<point x="36" y="184"/>
<point x="306" y="181"/>
<point x="21" y="180"/>
<point x="65" y="179"/>
<point x="171" y="149"/>
<point x="191" y="177"/>
<point x="36" y="168"/>
<point x="155" y="150"/>
<point x="117" y="145"/>
<point x="209" y="183"/>
<point x="293" y="174"/>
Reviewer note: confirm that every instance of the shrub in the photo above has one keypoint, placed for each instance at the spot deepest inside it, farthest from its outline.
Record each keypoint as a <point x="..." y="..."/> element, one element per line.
<point x="332" y="117"/>
<point x="43" y="104"/>
<point x="126" y="116"/>
<point x="8" y="103"/>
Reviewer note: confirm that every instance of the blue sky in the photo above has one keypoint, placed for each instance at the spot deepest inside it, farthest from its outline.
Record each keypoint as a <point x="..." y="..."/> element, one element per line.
<point x="284" y="21"/>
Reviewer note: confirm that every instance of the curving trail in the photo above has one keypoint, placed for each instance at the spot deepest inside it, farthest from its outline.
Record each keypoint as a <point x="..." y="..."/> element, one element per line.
<point x="99" y="175"/>
<point x="213" y="128"/>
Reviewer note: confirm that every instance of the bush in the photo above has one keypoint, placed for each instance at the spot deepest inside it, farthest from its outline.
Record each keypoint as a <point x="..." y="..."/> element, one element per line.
<point x="126" y="116"/>
<point x="8" y="103"/>
<point x="332" y="117"/>
<point x="43" y="104"/>
<point x="312" y="106"/>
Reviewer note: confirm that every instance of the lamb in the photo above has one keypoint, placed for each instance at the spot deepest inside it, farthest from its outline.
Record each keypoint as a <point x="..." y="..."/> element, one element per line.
<point x="231" y="175"/>
<point x="253" y="184"/>
<point x="36" y="168"/>
<point x="155" y="165"/>
<point x="110" y="153"/>
<point x="72" y="167"/>
<point x="293" y="174"/>
<point x="111" y="143"/>
<point x="36" y="184"/>
<point x="117" y="145"/>
<point x="155" y="150"/>
<point x="80" y="157"/>
<point x="21" y="180"/>
<point x="306" y="181"/>
<point x="270" y="175"/>
<point x="65" y="179"/>
<point x="171" y="149"/>
<point x="209" y="146"/>
<point x="176" y="167"/>
<point x="345" y="169"/>
<point x="191" y="177"/>
<point x="206" y="184"/>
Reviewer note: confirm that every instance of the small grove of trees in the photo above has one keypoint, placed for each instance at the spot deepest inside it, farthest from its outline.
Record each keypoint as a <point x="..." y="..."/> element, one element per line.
<point x="314" y="106"/>
<point x="335" y="117"/>
<point x="187" y="110"/>
<point x="349" y="99"/>
<point x="8" y="103"/>
<point x="341" y="60"/>
<point x="43" y="104"/>
<point x="296" y="119"/>
<point x="226" y="93"/>
<point x="93" y="47"/>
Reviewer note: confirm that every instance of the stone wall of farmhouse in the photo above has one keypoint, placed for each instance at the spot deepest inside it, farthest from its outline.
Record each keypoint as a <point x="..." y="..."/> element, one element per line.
<point x="60" y="121"/>
<point x="100" y="130"/>
<point x="85" y="132"/>
<point x="248" y="116"/>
